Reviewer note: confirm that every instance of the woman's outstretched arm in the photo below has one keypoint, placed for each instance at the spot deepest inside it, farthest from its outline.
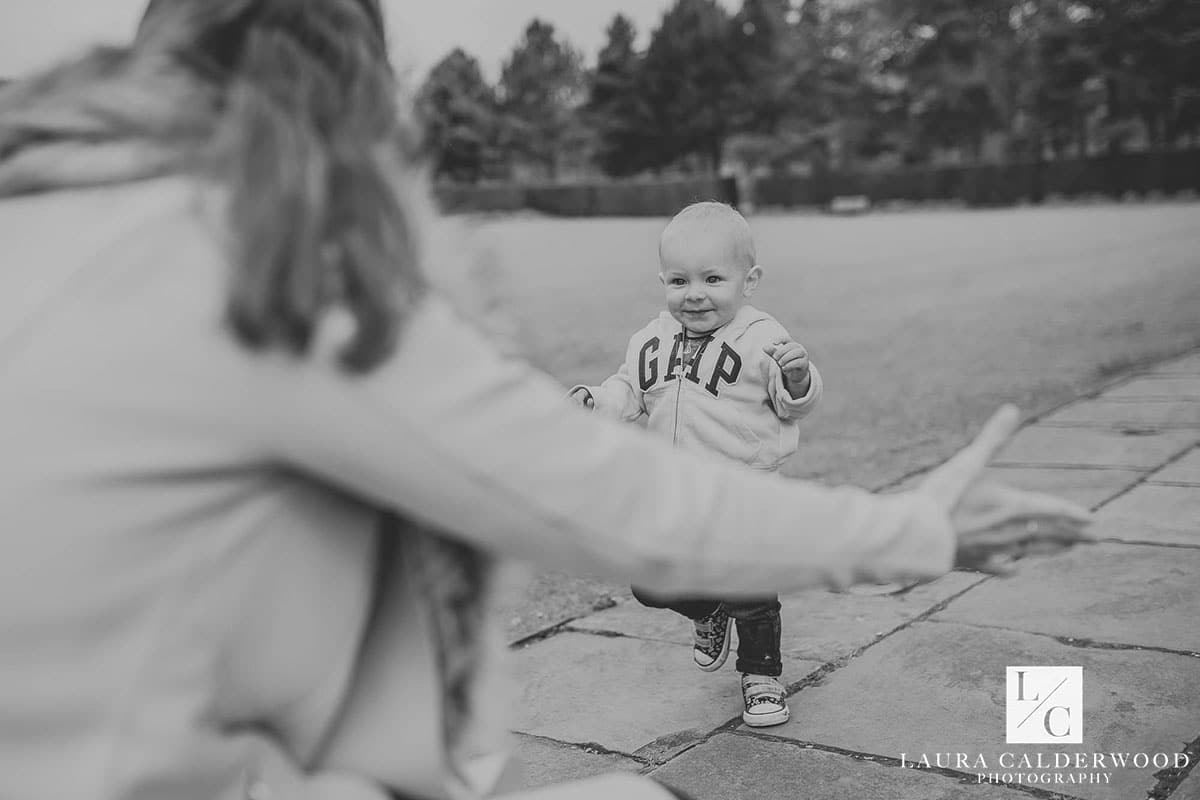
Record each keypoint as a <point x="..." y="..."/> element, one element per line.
<point x="487" y="449"/>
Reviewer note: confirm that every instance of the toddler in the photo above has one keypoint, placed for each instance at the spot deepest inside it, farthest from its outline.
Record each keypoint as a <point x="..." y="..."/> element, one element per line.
<point x="714" y="373"/>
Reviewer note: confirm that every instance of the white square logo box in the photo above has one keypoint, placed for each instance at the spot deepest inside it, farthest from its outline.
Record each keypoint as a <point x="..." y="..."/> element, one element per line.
<point x="1044" y="705"/>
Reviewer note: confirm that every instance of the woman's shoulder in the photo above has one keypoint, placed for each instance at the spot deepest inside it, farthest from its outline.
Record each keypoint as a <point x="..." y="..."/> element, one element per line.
<point x="106" y="242"/>
<point x="158" y="194"/>
<point x="78" y="223"/>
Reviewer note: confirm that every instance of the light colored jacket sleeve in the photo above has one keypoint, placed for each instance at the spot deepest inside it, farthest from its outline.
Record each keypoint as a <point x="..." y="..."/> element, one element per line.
<point x="618" y="396"/>
<point x="786" y="406"/>
<point x="484" y="447"/>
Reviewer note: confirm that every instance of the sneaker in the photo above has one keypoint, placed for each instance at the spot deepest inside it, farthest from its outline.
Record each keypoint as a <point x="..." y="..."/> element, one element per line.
<point x="710" y="640"/>
<point x="765" y="704"/>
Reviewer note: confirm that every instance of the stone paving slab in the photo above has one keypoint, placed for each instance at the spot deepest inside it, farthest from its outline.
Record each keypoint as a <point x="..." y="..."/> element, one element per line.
<point x="547" y="599"/>
<point x="1190" y="788"/>
<point x="1185" y="470"/>
<point x="1119" y="594"/>
<point x="1126" y="415"/>
<point x="1188" y="365"/>
<point x="1087" y="487"/>
<point x="1088" y="447"/>
<point x="625" y="694"/>
<point x="736" y="767"/>
<point x="1152" y="513"/>
<point x="941" y="688"/>
<point x="1176" y="387"/>
<point x="817" y="626"/>
<point x="541" y="762"/>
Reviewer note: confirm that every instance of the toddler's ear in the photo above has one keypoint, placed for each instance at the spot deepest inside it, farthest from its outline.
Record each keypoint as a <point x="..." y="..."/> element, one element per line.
<point x="753" y="275"/>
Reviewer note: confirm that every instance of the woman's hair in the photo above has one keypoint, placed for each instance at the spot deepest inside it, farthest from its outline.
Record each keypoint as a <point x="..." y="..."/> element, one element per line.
<point x="291" y="105"/>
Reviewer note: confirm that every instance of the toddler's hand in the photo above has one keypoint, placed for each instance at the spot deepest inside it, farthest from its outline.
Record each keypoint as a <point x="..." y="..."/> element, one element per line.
<point x="581" y="396"/>
<point x="793" y="361"/>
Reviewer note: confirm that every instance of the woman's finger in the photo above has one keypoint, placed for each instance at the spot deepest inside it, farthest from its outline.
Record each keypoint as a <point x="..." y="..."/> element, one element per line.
<point x="1018" y="548"/>
<point x="991" y="437"/>
<point x="1024" y="502"/>
<point x="1002" y="521"/>
<point x="999" y="526"/>
<point x="1048" y="547"/>
<point x="1000" y="565"/>
<point x="1061" y="539"/>
<point x="949" y="481"/>
<point x="985" y="556"/>
<point x="983" y="561"/>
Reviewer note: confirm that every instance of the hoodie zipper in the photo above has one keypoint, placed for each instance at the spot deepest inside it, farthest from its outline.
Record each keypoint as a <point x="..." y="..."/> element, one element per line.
<point x="678" y="396"/>
<point x="683" y="370"/>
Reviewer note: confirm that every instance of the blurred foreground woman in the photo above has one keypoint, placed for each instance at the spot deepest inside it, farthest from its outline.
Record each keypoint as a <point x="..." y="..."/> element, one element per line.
<point x="234" y="418"/>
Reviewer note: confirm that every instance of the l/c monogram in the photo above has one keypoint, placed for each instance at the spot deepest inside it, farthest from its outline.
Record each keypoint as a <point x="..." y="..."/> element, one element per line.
<point x="725" y="371"/>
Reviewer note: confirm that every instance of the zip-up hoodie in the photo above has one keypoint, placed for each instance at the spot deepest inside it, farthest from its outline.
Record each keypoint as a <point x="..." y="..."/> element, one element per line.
<point x="730" y="400"/>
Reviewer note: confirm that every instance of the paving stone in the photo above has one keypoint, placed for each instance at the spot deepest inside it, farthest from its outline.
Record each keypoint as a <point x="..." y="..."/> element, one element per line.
<point x="1152" y="513"/>
<point x="635" y="620"/>
<point x="819" y="626"/>
<point x="541" y="762"/>
<point x="1040" y="445"/>
<point x="572" y="683"/>
<point x="731" y="766"/>
<point x="1146" y="596"/>
<point x="1190" y="788"/>
<point x="940" y="688"/>
<point x="1188" y="365"/>
<point x="1185" y="470"/>
<point x="547" y="599"/>
<point x="1087" y="487"/>
<point x="1120" y="415"/>
<point x="1166" y="386"/>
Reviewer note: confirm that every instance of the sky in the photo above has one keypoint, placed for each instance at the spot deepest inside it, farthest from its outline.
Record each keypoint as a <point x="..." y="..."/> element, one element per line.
<point x="36" y="32"/>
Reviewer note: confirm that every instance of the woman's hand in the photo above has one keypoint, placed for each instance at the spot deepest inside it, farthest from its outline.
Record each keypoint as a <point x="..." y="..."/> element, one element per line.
<point x="997" y="524"/>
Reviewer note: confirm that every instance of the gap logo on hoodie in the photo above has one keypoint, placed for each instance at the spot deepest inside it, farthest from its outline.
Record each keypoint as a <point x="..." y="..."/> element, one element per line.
<point x="724" y="371"/>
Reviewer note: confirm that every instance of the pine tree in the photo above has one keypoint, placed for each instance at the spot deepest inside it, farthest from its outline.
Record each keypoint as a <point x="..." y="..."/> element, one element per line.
<point x="764" y="56"/>
<point x="688" y="80"/>
<point x="615" y="109"/>
<point x="458" y="110"/>
<point x="541" y="88"/>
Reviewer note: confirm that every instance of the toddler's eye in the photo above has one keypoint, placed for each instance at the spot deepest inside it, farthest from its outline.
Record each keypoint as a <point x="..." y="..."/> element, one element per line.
<point x="714" y="278"/>
<point x="678" y="281"/>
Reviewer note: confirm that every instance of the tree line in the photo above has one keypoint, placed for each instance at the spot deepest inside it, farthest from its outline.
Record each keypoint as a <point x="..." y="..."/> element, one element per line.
<point x="816" y="84"/>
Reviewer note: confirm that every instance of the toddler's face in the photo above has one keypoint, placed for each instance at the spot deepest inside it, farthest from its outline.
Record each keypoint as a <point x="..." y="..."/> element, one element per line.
<point x="704" y="281"/>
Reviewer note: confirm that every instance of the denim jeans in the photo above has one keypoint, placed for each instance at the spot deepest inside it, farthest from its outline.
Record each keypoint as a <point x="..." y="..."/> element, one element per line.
<point x="757" y="620"/>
